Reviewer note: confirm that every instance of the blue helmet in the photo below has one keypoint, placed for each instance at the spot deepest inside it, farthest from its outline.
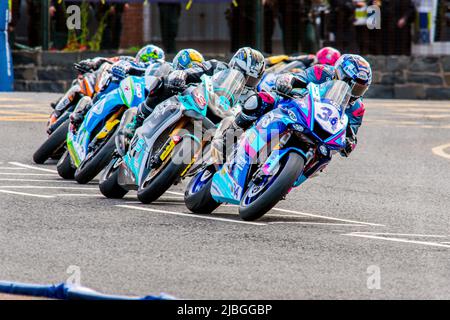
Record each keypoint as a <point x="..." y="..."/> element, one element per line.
<point x="150" y="53"/>
<point x="187" y="58"/>
<point x="356" y="72"/>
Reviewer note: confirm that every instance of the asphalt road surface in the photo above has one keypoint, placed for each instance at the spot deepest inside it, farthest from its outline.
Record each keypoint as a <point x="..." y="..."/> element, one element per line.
<point x="373" y="226"/>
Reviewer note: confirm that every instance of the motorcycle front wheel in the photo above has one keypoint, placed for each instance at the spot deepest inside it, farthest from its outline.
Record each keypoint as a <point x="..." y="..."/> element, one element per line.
<point x="64" y="166"/>
<point x="96" y="161"/>
<point x="259" y="198"/>
<point x="163" y="178"/>
<point x="197" y="196"/>
<point x="109" y="184"/>
<point x="53" y="145"/>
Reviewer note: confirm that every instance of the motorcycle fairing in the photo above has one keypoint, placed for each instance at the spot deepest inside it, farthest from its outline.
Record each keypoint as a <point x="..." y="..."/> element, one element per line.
<point x="78" y="143"/>
<point x="134" y="167"/>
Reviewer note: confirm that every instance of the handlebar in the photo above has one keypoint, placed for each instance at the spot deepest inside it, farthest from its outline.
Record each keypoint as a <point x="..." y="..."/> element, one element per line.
<point x="80" y="68"/>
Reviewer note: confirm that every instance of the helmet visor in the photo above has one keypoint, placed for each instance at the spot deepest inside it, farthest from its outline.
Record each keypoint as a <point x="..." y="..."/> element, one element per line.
<point x="358" y="90"/>
<point x="252" y="82"/>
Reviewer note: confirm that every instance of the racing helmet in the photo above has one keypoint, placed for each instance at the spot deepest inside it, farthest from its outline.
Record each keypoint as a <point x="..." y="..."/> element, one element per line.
<point x="356" y="72"/>
<point x="251" y="63"/>
<point x="187" y="58"/>
<point x="328" y="56"/>
<point x="319" y="73"/>
<point x="149" y="53"/>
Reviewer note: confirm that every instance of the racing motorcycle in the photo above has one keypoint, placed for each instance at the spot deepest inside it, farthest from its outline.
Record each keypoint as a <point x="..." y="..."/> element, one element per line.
<point x="91" y="84"/>
<point x="91" y="145"/>
<point x="280" y="151"/>
<point x="164" y="149"/>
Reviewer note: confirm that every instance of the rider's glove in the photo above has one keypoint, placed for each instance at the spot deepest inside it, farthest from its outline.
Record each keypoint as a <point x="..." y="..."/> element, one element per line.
<point x="121" y="69"/>
<point x="283" y="83"/>
<point x="350" y="145"/>
<point x="177" y="79"/>
<point x="88" y="64"/>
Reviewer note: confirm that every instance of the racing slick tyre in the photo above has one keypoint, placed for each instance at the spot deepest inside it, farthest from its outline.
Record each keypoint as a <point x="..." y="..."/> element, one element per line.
<point x="64" y="167"/>
<point x="96" y="161"/>
<point x="164" y="177"/>
<point x="109" y="184"/>
<point x="197" y="196"/>
<point x="260" y="198"/>
<point x="54" y="144"/>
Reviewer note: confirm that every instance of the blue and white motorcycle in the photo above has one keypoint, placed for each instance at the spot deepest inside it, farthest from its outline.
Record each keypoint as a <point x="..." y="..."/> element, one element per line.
<point x="281" y="151"/>
<point x="90" y="146"/>
<point x="171" y="139"/>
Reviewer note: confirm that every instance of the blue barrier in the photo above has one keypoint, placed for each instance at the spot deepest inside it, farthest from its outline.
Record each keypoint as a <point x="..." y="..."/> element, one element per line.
<point x="64" y="291"/>
<point x="6" y="66"/>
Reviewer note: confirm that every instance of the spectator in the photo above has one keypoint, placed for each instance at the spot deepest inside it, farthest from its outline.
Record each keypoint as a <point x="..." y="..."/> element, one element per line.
<point x="169" y="14"/>
<point x="15" y="16"/>
<point x="113" y="28"/>
<point x="396" y="19"/>
<point x="293" y="19"/>
<point x="58" y="25"/>
<point x="341" y="20"/>
<point x="34" y="22"/>
<point x="242" y="24"/>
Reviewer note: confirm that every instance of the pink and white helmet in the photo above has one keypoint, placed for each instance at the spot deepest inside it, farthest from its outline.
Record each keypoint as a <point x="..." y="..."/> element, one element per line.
<point x="328" y="56"/>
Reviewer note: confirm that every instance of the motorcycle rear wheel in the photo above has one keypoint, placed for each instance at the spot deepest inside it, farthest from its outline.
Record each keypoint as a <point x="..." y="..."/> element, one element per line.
<point x="273" y="191"/>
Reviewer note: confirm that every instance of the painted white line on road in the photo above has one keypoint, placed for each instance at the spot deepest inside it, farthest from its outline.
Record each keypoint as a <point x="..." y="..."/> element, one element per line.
<point x="404" y="234"/>
<point x="78" y="195"/>
<point x="28" y="174"/>
<point x="328" y="218"/>
<point x="319" y="223"/>
<point x="425" y="243"/>
<point x="439" y="151"/>
<point x="18" y="164"/>
<point x="191" y="215"/>
<point x="36" y="180"/>
<point x="175" y="193"/>
<point x="47" y="187"/>
<point x="26" y="194"/>
<point x="297" y="213"/>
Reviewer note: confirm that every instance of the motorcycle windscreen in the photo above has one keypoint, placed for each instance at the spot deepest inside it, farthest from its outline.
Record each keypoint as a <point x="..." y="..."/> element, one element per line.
<point x="158" y="69"/>
<point x="330" y="112"/>
<point x="336" y="93"/>
<point x="227" y="86"/>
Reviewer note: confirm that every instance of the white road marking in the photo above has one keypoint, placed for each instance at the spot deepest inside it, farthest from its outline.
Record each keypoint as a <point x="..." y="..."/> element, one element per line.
<point x="319" y="223"/>
<point x="191" y="215"/>
<point x="78" y="195"/>
<point x="26" y="194"/>
<point x="36" y="180"/>
<point x="404" y="234"/>
<point x="328" y="218"/>
<point x="425" y="243"/>
<point x="28" y="174"/>
<point x="439" y="151"/>
<point x="47" y="187"/>
<point x="175" y="193"/>
<point x="32" y="167"/>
